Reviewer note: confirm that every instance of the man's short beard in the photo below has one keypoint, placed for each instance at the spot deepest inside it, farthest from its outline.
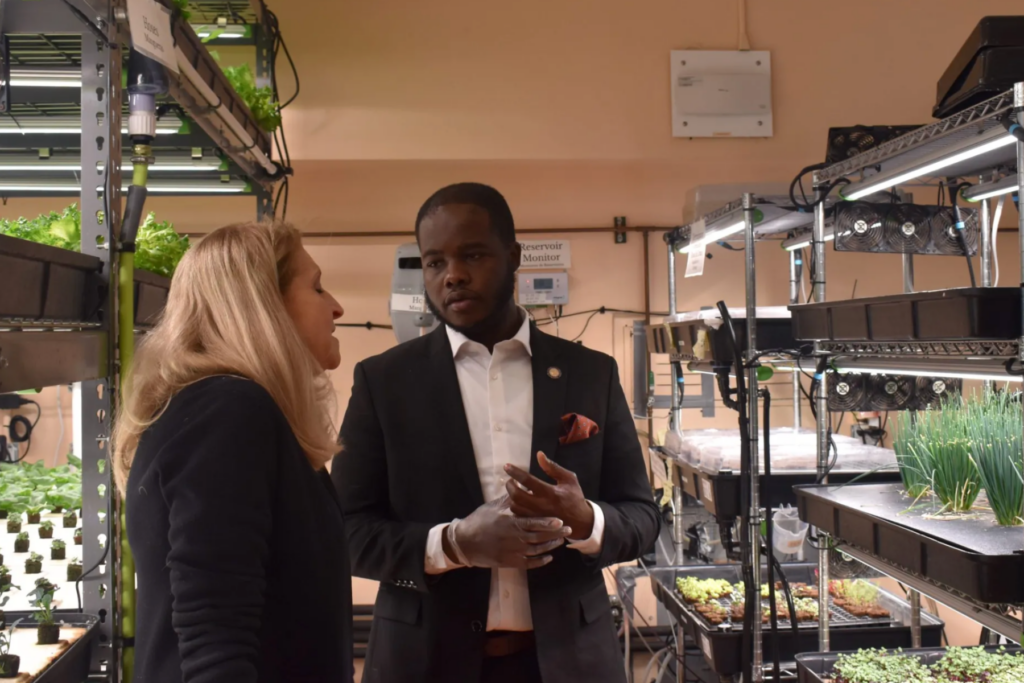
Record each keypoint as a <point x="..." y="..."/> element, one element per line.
<point x="505" y="296"/>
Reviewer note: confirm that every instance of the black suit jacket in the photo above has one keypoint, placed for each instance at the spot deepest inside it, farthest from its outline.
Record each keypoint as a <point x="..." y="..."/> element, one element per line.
<point x="408" y="464"/>
<point x="239" y="546"/>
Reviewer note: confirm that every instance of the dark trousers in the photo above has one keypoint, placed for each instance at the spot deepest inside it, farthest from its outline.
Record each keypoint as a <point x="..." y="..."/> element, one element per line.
<point x="521" y="667"/>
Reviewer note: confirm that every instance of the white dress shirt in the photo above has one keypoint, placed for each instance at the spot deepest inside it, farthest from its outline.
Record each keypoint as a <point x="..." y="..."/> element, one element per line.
<point x="497" y="393"/>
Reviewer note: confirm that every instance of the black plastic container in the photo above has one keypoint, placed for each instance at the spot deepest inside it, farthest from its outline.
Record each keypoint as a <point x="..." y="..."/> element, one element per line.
<point x="720" y="493"/>
<point x="816" y="667"/>
<point x="73" y="663"/>
<point x="972" y="556"/>
<point x="943" y="315"/>
<point x="723" y="648"/>
<point x="150" y="297"/>
<point x="39" y="282"/>
<point x="689" y="338"/>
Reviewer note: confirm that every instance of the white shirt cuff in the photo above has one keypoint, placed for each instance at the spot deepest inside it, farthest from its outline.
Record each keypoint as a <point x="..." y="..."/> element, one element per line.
<point x="436" y="562"/>
<point x="592" y="545"/>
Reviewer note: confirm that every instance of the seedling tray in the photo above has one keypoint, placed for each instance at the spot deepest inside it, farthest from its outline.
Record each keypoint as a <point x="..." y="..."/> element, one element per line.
<point x="942" y="315"/>
<point x="816" y="667"/>
<point x="72" y="664"/>
<point x="150" y="297"/>
<point x="969" y="554"/>
<point x="720" y="493"/>
<point x="722" y="644"/>
<point x="44" y="283"/>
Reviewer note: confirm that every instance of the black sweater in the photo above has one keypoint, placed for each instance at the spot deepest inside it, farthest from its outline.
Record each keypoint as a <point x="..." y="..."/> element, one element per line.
<point x="243" y="571"/>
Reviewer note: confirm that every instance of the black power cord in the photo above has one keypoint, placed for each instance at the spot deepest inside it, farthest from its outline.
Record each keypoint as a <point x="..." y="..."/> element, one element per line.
<point x="772" y="607"/>
<point x="954" y="195"/>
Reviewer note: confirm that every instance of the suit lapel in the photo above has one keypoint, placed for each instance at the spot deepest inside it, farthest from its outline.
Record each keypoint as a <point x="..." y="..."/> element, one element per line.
<point x="550" y="383"/>
<point x="443" y="393"/>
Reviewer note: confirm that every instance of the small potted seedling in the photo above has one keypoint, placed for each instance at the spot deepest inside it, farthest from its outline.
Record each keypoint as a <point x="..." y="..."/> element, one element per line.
<point x="47" y="631"/>
<point x="34" y="564"/>
<point x="5" y="576"/>
<point x="9" y="664"/>
<point x="78" y="537"/>
<point x="74" y="569"/>
<point x="58" y="550"/>
<point x="46" y="529"/>
<point x="21" y="543"/>
<point x="34" y="514"/>
<point x="70" y="519"/>
<point x="14" y="523"/>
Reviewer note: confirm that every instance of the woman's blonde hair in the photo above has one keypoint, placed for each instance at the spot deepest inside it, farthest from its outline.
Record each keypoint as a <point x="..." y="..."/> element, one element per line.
<point x="225" y="315"/>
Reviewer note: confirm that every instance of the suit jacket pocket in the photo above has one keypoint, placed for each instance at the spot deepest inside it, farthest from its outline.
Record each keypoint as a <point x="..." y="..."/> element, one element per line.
<point x="594" y="604"/>
<point x="399" y="604"/>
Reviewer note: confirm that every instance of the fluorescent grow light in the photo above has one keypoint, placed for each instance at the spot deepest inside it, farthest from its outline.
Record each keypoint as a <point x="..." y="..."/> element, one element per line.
<point x="796" y="243"/>
<point x="231" y="187"/>
<point x="172" y="164"/>
<point x="997" y="140"/>
<point x="980" y="369"/>
<point x="46" y="78"/>
<point x="980" y="193"/>
<point x="716" y="235"/>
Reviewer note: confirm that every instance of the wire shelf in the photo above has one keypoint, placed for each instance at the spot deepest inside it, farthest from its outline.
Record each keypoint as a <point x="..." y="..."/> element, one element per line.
<point x="233" y="11"/>
<point x="50" y="50"/>
<point x="966" y="124"/>
<point x="958" y="349"/>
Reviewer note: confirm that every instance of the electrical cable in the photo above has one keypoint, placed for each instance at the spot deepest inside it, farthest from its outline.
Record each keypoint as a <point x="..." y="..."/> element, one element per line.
<point x="365" y="326"/>
<point x="954" y="194"/>
<point x="585" y="326"/>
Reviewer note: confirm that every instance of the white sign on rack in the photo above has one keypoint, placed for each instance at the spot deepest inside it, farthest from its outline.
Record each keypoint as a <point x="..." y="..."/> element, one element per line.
<point x="553" y="254"/>
<point x="150" y="24"/>
<point x="696" y="255"/>
<point x="409" y="303"/>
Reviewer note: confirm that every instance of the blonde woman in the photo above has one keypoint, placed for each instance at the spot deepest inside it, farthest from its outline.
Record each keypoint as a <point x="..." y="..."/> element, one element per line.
<point x="220" y="450"/>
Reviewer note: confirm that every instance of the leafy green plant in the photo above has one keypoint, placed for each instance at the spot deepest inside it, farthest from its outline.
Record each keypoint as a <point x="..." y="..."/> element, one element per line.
<point x="41" y="598"/>
<point x="23" y="536"/>
<point x="995" y="426"/>
<point x="261" y="101"/>
<point x="46" y="525"/>
<point x="182" y="7"/>
<point x="879" y="666"/>
<point x="59" y="545"/>
<point x="913" y="459"/>
<point x="158" y="248"/>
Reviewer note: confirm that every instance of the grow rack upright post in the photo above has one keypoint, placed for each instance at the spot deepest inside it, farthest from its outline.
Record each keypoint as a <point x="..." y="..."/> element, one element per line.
<point x="1018" y="107"/>
<point x="795" y="264"/>
<point x="821" y="423"/>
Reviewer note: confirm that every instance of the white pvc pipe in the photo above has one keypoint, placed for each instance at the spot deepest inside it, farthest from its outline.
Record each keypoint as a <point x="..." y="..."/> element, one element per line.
<point x="211" y="98"/>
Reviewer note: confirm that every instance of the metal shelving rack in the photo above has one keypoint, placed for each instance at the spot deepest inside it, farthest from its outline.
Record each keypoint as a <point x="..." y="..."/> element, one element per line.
<point x="85" y="123"/>
<point x="973" y="143"/>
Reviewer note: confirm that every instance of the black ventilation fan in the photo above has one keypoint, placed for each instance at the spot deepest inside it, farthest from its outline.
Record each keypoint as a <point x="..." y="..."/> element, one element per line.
<point x="890" y="392"/>
<point x="943" y="231"/>
<point x="930" y="391"/>
<point x="906" y="229"/>
<point x="844" y="143"/>
<point x="846" y="392"/>
<point x="858" y="227"/>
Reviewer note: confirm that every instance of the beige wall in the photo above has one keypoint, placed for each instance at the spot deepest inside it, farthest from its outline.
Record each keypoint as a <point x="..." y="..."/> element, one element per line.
<point x="564" y="106"/>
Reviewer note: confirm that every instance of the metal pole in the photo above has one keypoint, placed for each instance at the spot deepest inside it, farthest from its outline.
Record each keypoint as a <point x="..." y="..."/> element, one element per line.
<point x="908" y="273"/>
<point x="754" y="525"/>
<point x="794" y="298"/>
<point x="676" y="413"/>
<point x="818" y="244"/>
<point x="628" y="654"/>
<point x="679" y="541"/>
<point x="986" y="243"/>
<point x="1018" y="104"/>
<point x="680" y="655"/>
<point x="823" y="558"/>
<point x="915" y="619"/>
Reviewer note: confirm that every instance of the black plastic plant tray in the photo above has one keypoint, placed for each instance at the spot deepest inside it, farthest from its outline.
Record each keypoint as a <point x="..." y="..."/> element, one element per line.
<point x="40" y="282"/>
<point x="816" y="667"/>
<point x="772" y="333"/>
<point x="73" y="663"/>
<point x="970" y="554"/>
<point x="720" y="493"/>
<point x="942" y="315"/>
<point x="722" y="647"/>
<point x="151" y="292"/>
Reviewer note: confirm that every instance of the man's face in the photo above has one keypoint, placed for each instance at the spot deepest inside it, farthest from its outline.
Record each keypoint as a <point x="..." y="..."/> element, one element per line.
<point x="468" y="273"/>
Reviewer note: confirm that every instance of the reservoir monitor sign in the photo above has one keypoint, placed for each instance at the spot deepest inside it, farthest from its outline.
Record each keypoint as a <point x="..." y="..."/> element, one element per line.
<point x="553" y="254"/>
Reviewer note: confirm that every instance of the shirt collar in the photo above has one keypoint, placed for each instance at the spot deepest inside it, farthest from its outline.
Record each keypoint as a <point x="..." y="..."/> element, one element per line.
<point x="459" y="340"/>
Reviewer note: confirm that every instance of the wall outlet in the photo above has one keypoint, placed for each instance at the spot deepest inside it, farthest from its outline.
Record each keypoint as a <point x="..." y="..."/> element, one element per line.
<point x="620" y="238"/>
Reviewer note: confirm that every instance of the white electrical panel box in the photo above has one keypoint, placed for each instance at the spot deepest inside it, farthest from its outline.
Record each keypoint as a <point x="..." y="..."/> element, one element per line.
<point x="718" y="93"/>
<point x="543" y="289"/>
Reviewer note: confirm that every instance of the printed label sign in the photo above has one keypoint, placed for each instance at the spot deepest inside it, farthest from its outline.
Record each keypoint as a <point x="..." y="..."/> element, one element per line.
<point x="409" y="303"/>
<point x="554" y="254"/>
<point x="696" y="255"/>
<point x="706" y="490"/>
<point x="150" y="24"/>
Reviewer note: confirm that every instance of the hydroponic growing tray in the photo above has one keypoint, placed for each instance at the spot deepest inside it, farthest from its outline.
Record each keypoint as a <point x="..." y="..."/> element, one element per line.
<point x="702" y="335"/>
<point x="720" y="492"/>
<point x="816" y="667"/>
<point x="969" y="553"/>
<point x="942" y="315"/>
<point x="722" y="645"/>
<point x="40" y="282"/>
<point x="68" y="660"/>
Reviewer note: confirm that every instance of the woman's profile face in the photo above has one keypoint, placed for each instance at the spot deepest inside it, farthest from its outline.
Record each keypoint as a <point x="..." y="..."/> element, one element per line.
<point x="313" y="310"/>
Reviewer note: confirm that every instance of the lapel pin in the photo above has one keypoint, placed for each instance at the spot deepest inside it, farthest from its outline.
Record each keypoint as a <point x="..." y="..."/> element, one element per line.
<point x="554" y="373"/>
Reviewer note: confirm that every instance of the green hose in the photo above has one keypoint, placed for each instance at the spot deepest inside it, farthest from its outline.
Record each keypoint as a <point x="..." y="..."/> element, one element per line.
<point x="126" y="347"/>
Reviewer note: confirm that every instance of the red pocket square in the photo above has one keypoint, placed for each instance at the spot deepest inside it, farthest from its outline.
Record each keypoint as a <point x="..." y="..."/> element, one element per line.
<point x="576" y="428"/>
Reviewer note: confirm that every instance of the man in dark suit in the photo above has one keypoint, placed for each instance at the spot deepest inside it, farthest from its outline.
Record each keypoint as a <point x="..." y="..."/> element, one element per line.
<point x="489" y="473"/>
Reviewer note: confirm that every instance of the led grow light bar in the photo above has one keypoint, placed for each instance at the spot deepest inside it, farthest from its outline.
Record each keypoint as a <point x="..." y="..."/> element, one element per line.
<point x="172" y="164"/>
<point x="714" y="236"/>
<point x="988" y="142"/>
<point x="231" y="187"/>
<point x="980" y="369"/>
<point x="795" y="243"/>
<point x="979" y="193"/>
